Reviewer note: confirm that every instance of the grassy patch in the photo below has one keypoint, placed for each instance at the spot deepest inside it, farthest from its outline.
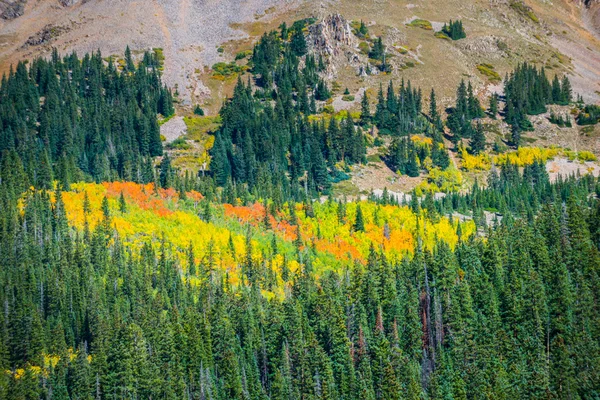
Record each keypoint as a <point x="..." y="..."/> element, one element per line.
<point x="373" y="158"/>
<point x="345" y="188"/>
<point x="163" y="121"/>
<point x="488" y="71"/>
<point x="524" y="10"/>
<point x="160" y="57"/>
<point x="442" y="35"/>
<point x="421" y="23"/>
<point x="588" y="130"/>
<point x="198" y="127"/>
<point x="364" y="47"/>
<point x="243" y="54"/>
<point x="179" y="144"/>
<point x="227" y="71"/>
<point x="348" y="97"/>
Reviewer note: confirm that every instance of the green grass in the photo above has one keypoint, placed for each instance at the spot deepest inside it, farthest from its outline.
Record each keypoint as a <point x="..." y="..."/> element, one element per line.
<point x="225" y="71"/>
<point x="163" y="121"/>
<point x="179" y="144"/>
<point x="198" y="127"/>
<point x="345" y="188"/>
<point x="421" y="23"/>
<point x="488" y="71"/>
<point x="442" y="35"/>
<point x="364" y="47"/>
<point x="373" y="158"/>
<point x="160" y="57"/>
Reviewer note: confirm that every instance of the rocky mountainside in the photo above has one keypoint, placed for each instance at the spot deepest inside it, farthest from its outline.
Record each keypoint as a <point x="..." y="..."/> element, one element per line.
<point x="196" y="34"/>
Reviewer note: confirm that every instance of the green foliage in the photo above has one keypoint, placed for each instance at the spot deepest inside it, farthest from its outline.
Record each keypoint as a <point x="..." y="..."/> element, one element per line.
<point x="527" y="92"/>
<point x="179" y="144"/>
<point x="82" y="117"/>
<point x="454" y="30"/>
<point x="560" y="120"/>
<point x="421" y="23"/>
<point x="589" y="115"/>
<point x="198" y="110"/>
<point x="378" y="50"/>
<point x="442" y="35"/>
<point x="488" y="71"/>
<point x="223" y="70"/>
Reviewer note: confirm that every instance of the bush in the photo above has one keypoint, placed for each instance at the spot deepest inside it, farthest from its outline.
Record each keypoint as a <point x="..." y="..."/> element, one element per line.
<point x="590" y="115"/>
<point x="421" y="23"/>
<point x="442" y="35"/>
<point x="198" y="110"/>
<point x="179" y="144"/>
<point x="488" y="71"/>
<point x="364" y="47"/>
<point x="471" y="162"/>
<point x="527" y="155"/>
<point x="449" y="180"/>
<point x="222" y="70"/>
<point x="348" y="97"/>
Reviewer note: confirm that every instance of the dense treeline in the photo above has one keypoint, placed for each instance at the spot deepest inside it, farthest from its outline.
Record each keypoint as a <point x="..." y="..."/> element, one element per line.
<point x="512" y="316"/>
<point x="399" y="113"/>
<point x="70" y="118"/>
<point x="266" y="141"/>
<point x="527" y="92"/>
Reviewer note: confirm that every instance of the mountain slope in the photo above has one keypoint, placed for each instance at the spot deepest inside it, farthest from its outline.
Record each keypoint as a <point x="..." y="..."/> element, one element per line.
<point x="562" y="35"/>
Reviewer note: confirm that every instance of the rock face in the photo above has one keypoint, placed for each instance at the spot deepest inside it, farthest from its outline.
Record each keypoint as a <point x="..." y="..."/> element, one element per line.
<point x="333" y="39"/>
<point x="11" y="9"/>
<point x="330" y="35"/>
<point x="44" y="36"/>
<point x="70" y="3"/>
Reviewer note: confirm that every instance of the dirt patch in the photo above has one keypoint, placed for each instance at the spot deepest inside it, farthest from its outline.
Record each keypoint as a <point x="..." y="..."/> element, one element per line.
<point x="377" y="175"/>
<point x="563" y="167"/>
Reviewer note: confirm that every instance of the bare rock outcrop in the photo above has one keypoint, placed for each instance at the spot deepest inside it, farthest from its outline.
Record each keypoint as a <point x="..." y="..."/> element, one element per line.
<point x="45" y="36"/>
<point x="70" y="3"/>
<point x="330" y="35"/>
<point x="11" y="9"/>
<point x="333" y="39"/>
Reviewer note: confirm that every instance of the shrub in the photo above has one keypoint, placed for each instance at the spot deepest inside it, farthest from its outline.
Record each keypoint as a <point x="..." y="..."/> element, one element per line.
<point x="590" y="115"/>
<point x="179" y="144"/>
<point x="442" y="35"/>
<point x="527" y="155"/>
<point x="222" y="70"/>
<point x="198" y="110"/>
<point x="488" y="71"/>
<point x="364" y="47"/>
<point x="448" y="181"/>
<point x="243" y="54"/>
<point x="421" y="23"/>
<point x="472" y="162"/>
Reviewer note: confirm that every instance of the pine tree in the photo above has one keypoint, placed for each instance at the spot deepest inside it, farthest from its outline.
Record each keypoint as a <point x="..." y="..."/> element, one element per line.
<point x="359" y="223"/>
<point x="493" y="110"/>
<point x="298" y="43"/>
<point x="478" y="140"/>
<point x="365" y="110"/>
